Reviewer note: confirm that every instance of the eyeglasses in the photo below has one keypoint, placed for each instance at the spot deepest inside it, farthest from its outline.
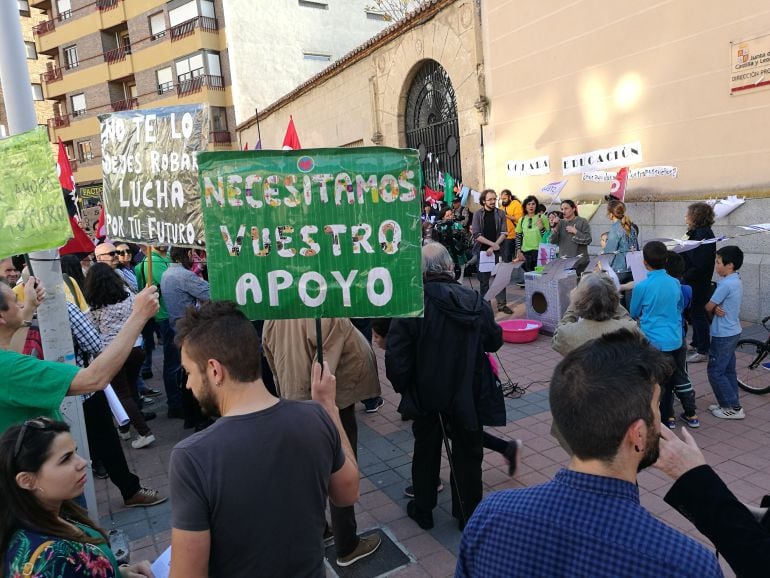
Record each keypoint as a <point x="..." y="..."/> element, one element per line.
<point x="39" y="423"/>
<point x="110" y="253"/>
<point x="122" y="253"/>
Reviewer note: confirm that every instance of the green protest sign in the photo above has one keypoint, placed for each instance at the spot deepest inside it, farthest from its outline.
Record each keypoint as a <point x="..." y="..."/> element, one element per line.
<point x="150" y="174"/>
<point x="33" y="216"/>
<point x="314" y="232"/>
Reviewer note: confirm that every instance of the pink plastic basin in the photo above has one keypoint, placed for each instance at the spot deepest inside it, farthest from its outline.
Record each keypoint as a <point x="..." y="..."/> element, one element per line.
<point x="520" y="330"/>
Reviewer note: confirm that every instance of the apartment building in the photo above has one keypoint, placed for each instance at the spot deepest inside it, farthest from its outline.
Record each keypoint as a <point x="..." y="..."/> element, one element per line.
<point x="114" y="55"/>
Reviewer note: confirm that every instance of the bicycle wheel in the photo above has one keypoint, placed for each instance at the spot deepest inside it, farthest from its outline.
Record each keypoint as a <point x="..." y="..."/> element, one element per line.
<point x="749" y="355"/>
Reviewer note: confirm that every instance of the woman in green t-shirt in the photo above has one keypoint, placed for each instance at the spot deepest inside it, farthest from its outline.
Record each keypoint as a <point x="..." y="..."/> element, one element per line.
<point x="529" y="233"/>
<point x="43" y="533"/>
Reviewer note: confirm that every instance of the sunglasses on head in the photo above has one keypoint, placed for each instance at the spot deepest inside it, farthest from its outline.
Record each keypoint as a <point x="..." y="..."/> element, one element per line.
<point x="38" y="423"/>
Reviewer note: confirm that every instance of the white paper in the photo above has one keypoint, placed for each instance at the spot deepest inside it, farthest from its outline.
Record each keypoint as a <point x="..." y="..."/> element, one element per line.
<point x="162" y="565"/>
<point x="635" y="262"/>
<point x="486" y="262"/>
<point x="116" y="407"/>
<point x="501" y="280"/>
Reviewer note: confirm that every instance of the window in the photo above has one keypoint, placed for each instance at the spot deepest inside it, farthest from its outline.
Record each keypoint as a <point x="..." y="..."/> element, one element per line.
<point x="31" y="50"/>
<point x="64" y="8"/>
<point x="71" y="56"/>
<point x="78" y="102"/>
<point x="37" y="91"/>
<point x="23" y="7"/>
<point x="157" y="25"/>
<point x="190" y="67"/>
<point x="218" y="118"/>
<point x="379" y="16"/>
<point x="84" y="151"/>
<point x="316" y="56"/>
<point x="313" y="4"/>
<point x="165" y="80"/>
<point x="183" y="13"/>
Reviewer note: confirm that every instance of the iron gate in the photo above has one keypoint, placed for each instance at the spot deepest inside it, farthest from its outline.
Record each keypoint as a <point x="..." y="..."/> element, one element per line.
<point x="431" y="124"/>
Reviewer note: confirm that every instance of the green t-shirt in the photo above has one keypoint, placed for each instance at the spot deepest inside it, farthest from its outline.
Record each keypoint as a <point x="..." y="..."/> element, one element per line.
<point x="31" y="387"/>
<point x="531" y="235"/>
<point x="159" y="266"/>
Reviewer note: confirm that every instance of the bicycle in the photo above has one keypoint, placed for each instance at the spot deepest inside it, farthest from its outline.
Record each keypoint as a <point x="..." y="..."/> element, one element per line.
<point x="749" y="356"/>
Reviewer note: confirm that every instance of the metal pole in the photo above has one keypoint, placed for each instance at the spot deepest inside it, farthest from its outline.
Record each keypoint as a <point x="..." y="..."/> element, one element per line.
<point x="52" y="313"/>
<point x="259" y="134"/>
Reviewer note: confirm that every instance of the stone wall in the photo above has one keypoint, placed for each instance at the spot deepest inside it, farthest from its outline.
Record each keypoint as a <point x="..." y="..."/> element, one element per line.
<point x="666" y="219"/>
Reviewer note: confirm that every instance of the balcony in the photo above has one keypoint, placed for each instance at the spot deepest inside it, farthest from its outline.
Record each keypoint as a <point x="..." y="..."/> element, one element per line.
<point x="59" y="121"/>
<point x="220" y="138"/>
<point x="126" y="104"/>
<point x="51" y="75"/>
<point x="188" y="27"/>
<point x="189" y="84"/>
<point x="44" y="28"/>
<point x="117" y="54"/>
<point x="104" y="5"/>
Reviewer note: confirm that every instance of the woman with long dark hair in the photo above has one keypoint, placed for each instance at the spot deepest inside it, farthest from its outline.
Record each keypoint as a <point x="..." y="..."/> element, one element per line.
<point x="110" y="302"/>
<point x="699" y="268"/>
<point x="529" y="232"/>
<point x="43" y="532"/>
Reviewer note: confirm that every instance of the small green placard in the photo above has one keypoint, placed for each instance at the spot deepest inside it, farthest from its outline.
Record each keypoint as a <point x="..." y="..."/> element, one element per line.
<point x="33" y="216"/>
<point x="314" y="232"/>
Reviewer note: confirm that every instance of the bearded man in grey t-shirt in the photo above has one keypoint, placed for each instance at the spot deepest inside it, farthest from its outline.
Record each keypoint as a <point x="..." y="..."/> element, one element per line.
<point x="249" y="493"/>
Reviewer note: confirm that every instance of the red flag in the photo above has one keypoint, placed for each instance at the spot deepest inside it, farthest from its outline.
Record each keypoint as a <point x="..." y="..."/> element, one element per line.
<point x="291" y="140"/>
<point x="432" y="196"/>
<point x="99" y="230"/>
<point x="63" y="168"/>
<point x="80" y="243"/>
<point x="618" y="188"/>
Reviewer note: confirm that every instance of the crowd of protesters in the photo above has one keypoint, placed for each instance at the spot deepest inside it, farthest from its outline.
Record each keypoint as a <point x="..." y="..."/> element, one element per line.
<point x="276" y="433"/>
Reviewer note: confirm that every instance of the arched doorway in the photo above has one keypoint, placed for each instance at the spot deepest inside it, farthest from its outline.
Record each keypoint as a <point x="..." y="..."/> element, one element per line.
<point x="431" y="126"/>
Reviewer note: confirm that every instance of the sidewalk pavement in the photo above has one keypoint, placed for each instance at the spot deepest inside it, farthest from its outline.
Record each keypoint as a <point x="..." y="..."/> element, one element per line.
<point x="738" y="450"/>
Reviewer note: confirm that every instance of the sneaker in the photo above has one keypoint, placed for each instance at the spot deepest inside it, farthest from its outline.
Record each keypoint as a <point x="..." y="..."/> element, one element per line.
<point x="505" y="309"/>
<point x="520" y="284"/>
<point x="692" y="421"/>
<point x="367" y="545"/>
<point x="143" y="441"/>
<point x="671" y="423"/>
<point x="100" y="471"/>
<point x="373" y="405"/>
<point x="145" y="497"/>
<point x="150" y="392"/>
<point x="696" y="358"/>
<point x="766" y="365"/>
<point x="124" y="435"/>
<point x="729" y="413"/>
<point x="146" y="400"/>
<point x="409" y="490"/>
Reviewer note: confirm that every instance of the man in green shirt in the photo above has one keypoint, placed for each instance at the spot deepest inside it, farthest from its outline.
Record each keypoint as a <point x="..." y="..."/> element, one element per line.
<point x="172" y="363"/>
<point x="33" y="387"/>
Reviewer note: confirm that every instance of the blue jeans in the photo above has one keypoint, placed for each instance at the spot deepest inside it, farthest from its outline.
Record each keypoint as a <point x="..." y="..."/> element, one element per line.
<point x="172" y="366"/>
<point x="721" y="370"/>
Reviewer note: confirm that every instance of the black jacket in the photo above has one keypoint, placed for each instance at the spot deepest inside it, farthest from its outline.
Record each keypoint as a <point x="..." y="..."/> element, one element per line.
<point x="437" y="362"/>
<point x="700" y="265"/>
<point x="702" y="497"/>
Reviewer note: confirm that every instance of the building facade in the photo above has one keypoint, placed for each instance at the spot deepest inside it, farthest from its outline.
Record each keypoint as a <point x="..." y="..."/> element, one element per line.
<point x="515" y="94"/>
<point x="114" y="55"/>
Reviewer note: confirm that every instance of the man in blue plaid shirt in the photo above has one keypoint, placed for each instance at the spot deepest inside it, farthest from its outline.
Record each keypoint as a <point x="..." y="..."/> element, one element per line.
<point x="588" y="521"/>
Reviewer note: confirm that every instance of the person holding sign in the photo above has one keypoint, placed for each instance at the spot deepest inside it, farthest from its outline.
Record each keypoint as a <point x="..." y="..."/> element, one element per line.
<point x="249" y="493"/>
<point x="290" y="346"/>
<point x="34" y="387"/>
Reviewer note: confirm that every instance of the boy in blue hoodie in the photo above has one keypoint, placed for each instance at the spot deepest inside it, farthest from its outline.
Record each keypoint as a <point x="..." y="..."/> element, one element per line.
<point x="658" y="304"/>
